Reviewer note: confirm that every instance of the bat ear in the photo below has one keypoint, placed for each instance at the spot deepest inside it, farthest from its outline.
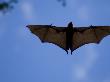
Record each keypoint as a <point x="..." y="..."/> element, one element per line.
<point x="70" y="24"/>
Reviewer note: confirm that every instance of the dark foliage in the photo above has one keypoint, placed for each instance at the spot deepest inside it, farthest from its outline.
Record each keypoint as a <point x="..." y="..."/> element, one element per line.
<point x="7" y="5"/>
<point x="63" y="2"/>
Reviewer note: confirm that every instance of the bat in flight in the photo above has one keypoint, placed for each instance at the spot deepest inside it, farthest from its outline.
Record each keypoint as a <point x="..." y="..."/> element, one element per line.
<point x="70" y="38"/>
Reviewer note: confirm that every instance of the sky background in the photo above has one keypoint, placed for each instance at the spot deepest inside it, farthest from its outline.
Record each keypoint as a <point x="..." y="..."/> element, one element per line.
<point x="23" y="58"/>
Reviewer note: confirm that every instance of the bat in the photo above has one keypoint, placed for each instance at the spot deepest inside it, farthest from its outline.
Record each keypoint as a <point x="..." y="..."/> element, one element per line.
<point x="70" y="38"/>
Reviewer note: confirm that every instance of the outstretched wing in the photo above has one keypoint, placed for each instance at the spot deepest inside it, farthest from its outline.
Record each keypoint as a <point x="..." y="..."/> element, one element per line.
<point x="50" y="34"/>
<point x="92" y="34"/>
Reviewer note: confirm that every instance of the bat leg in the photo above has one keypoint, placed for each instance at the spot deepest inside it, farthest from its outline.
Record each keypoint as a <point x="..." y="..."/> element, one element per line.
<point x="67" y="51"/>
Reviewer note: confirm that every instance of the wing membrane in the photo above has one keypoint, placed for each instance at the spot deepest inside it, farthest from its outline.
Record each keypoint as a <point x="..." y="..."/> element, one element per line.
<point x="85" y="35"/>
<point x="47" y="33"/>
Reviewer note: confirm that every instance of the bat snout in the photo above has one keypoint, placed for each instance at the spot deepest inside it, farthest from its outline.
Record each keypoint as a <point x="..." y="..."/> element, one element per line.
<point x="27" y="26"/>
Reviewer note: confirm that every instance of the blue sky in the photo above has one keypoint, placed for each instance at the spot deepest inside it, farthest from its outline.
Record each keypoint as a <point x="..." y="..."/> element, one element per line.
<point x="23" y="58"/>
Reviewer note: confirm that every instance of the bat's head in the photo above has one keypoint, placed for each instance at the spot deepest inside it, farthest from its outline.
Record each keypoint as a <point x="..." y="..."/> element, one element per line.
<point x="70" y="25"/>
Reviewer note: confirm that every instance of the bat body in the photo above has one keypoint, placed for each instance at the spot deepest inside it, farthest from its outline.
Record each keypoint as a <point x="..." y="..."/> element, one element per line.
<point x="70" y="37"/>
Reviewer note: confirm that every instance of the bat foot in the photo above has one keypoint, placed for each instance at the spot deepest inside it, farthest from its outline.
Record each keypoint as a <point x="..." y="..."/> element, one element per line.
<point x="92" y="26"/>
<point x="71" y="52"/>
